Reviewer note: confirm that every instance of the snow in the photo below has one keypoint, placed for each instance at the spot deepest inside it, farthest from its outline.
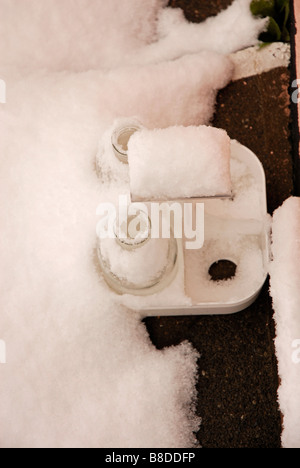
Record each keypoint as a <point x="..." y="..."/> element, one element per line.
<point x="81" y="371"/>
<point x="237" y="29"/>
<point x="74" y="35"/>
<point x="179" y="162"/>
<point x="93" y="34"/>
<point x="285" y="290"/>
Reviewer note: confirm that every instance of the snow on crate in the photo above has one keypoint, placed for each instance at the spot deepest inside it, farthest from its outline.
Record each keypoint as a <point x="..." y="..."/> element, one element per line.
<point x="179" y="162"/>
<point x="285" y="290"/>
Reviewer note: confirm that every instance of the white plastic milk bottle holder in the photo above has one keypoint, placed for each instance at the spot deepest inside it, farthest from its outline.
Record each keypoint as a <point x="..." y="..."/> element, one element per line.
<point x="236" y="231"/>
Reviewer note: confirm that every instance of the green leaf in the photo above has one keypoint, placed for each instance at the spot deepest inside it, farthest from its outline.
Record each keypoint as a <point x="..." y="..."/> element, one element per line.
<point x="286" y="37"/>
<point x="274" y="30"/>
<point x="282" y="4"/>
<point x="263" y="7"/>
<point x="278" y="12"/>
<point x="287" y="14"/>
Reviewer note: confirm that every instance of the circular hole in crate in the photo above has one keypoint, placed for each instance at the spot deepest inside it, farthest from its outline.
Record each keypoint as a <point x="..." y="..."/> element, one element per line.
<point x="222" y="270"/>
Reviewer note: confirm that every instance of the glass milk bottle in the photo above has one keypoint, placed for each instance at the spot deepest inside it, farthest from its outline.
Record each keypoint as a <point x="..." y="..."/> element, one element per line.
<point x="134" y="263"/>
<point x="121" y="136"/>
<point x="112" y="155"/>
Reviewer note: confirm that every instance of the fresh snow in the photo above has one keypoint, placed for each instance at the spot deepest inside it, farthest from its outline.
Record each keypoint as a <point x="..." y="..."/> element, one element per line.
<point x="179" y="162"/>
<point x="285" y="289"/>
<point x="81" y="371"/>
<point x="60" y="35"/>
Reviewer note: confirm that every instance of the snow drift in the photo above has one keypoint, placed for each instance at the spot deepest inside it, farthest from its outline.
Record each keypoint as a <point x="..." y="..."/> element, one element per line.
<point x="285" y="289"/>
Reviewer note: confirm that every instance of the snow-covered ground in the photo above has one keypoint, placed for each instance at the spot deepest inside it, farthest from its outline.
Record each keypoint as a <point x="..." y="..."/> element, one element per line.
<point x="80" y="369"/>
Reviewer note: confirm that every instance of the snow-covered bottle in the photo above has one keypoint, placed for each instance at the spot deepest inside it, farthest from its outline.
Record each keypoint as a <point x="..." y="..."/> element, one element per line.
<point x="121" y="136"/>
<point x="112" y="156"/>
<point x="134" y="263"/>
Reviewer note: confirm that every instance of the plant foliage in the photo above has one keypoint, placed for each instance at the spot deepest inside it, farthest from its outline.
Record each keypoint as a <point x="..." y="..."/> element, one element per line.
<point x="279" y="13"/>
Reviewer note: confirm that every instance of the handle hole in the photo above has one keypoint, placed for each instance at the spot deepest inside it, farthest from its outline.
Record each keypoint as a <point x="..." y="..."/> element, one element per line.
<point x="222" y="270"/>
